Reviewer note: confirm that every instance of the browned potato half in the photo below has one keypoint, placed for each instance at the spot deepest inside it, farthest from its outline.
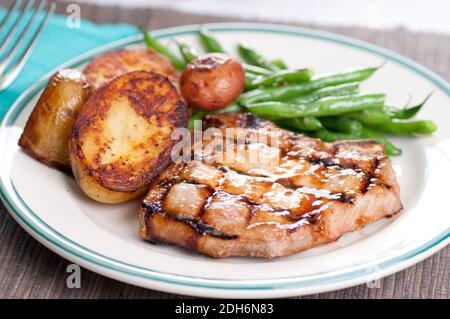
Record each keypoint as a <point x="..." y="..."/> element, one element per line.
<point x="121" y="138"/>
<point x="109" y="65"/>
<point x="212" y="82"/>
<point x="46" y="134"/>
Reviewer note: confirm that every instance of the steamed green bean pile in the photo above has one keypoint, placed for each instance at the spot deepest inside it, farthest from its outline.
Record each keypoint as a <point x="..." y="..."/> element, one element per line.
<point x="330" y="107"/>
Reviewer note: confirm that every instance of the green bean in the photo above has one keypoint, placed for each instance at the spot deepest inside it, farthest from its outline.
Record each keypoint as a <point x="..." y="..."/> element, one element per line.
<point x="385" y="116"/>
<point x="284" y="76"/>
<point x="343" y="124"/>
<point x="330" y="136"/>
<point x="210" y="43"/>
<point x="338" y="90"/>
<point x="409" y="112"/>
<point x="355" y="75"/>
<point x="300" y="124"/>
<point x="252" y="57"/>
<point x="255" y="69"/>
<point x="213" y="45"/>
<point x="380" y="121"/>
<point x="287" y="92"/>
<point x="404" y="114"/>
<point x="327" y="106"/>
<point x="187" y="52"/>
<point x="195" y="116"/>
<point x="399" y="127"/>
<point x="249" y="78"/>
<point x="151" y="42"/>
<point x="233" y="107"/>
<point x="371" y="117"/>
<point x="351" y="126"/>
<point x="389" y="148"/>
<point x="279" y="64"/>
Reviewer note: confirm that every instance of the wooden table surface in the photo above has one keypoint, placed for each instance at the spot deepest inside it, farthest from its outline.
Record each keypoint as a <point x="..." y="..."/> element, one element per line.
<point x="29" y="270"/>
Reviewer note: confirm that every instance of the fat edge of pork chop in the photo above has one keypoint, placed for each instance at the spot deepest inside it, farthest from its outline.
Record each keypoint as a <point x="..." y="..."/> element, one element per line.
<point x="318" y="192"/>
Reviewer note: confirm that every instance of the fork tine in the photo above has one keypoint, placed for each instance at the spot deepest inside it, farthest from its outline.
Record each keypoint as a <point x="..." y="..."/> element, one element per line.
<point x="21" y="38"/>
<point x="8" y="15"/>
<point x="12" y="31"/>
<point x="18" y="66"/>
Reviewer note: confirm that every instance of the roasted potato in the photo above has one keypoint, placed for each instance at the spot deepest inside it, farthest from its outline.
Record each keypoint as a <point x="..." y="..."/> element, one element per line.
<point x="212" y="82"/>
<point x="109" y="65"/>
<point x="46" y="134"/>
<point x="121" y="138"/>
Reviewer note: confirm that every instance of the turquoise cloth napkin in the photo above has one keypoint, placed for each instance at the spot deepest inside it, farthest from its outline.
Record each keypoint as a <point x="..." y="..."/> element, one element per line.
<point x="58" y="44"/>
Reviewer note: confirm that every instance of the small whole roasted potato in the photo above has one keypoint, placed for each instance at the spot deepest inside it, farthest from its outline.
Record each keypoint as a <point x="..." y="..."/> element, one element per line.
<point x="109" y="65"/>
<point x="121" y="138"/>
<point x="47" y="131"/>
<point x="212" y="82"/>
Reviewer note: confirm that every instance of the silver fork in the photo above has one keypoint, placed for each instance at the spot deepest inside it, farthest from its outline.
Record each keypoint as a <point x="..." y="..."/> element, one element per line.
<point x="14" y="52"/>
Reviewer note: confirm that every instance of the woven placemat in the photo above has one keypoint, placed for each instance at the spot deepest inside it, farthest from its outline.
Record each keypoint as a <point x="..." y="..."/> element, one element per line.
<point x="29" y="270"/>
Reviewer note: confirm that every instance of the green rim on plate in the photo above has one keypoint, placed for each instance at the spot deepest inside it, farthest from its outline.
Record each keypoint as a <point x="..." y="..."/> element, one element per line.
<point x="42" y="231"/>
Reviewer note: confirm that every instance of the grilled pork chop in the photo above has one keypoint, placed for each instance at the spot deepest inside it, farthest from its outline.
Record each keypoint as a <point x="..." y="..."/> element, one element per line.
<point x="226" y="206"/>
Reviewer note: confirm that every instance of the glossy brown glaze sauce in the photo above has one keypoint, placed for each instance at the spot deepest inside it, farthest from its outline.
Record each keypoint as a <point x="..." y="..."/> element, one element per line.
<point x="309" y="177"/>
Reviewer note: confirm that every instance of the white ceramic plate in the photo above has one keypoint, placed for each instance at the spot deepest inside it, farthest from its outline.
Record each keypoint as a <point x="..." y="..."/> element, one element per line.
<point x="104" y="238"/>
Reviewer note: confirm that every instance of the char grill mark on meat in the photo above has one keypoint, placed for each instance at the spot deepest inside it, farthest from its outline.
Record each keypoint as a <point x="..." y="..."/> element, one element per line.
<point x="316" y="192"/>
